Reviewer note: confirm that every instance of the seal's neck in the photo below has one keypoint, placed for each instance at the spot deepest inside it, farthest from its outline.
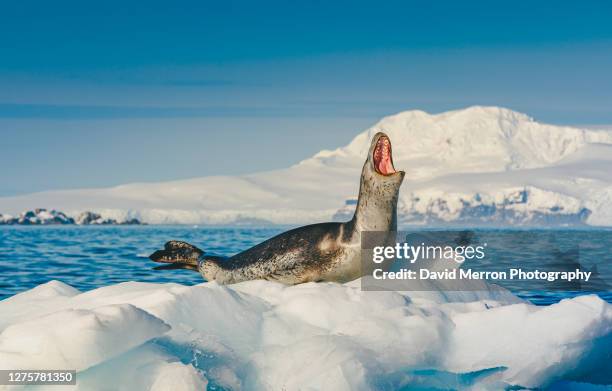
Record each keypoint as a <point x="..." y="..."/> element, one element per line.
<point x="377" y="204"/>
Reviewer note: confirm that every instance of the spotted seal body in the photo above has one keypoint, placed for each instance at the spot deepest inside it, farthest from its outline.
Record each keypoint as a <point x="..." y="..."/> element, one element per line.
<point x="317" y="252"/>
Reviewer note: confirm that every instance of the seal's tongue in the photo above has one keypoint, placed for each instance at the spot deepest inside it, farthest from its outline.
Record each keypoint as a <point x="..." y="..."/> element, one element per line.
<point x="383" y="162"/>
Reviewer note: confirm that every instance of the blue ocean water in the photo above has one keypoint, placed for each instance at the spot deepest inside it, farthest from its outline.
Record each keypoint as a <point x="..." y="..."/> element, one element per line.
<point x="88" y="257"/>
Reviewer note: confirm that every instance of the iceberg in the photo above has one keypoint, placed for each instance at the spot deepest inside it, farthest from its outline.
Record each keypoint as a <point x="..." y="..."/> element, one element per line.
<point x="261" y="335"/>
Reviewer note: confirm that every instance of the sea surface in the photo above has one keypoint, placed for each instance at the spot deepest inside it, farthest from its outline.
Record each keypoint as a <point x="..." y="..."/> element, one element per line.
<point x="88" y="257"/>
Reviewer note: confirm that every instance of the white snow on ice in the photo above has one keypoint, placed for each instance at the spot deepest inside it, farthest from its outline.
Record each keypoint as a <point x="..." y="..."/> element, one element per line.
<point x="460" y="166"/>
<point x="263" y="335"/>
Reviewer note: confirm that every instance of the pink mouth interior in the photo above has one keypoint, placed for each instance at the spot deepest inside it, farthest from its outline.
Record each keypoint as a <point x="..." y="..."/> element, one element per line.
<point x="383" y="162"/>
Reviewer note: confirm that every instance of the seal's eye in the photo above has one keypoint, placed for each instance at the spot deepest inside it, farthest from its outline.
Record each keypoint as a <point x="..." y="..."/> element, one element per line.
<point x="383" y="160"/>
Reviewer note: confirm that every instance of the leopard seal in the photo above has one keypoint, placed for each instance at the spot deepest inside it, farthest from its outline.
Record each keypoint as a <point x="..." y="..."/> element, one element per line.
<point x="317" y="252"/>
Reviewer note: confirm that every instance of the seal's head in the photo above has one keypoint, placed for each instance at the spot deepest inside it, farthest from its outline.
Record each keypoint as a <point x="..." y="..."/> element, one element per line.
<point x="379" y="163"/>
<point x="379" y="188"/>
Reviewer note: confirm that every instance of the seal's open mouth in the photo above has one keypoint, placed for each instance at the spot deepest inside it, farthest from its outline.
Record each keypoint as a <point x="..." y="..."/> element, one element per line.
<point x="383" y="160"/>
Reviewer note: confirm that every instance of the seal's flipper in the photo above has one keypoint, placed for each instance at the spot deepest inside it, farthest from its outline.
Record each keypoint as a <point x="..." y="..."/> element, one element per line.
<point x="180" y="255"/>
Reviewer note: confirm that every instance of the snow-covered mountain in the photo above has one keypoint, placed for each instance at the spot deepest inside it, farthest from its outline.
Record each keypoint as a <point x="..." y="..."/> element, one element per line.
<point x="479" y="165"/>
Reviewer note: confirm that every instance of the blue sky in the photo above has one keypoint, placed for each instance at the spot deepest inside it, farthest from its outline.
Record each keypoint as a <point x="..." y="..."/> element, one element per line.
<point x="99" y="95"/>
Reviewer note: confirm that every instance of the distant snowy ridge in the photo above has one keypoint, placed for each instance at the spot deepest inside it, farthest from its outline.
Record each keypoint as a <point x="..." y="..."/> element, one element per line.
<point x="480" y="165"/>
<point x="520" y="206"/>
<point x="37" y="216"/>
<point x="41" y="216"/>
